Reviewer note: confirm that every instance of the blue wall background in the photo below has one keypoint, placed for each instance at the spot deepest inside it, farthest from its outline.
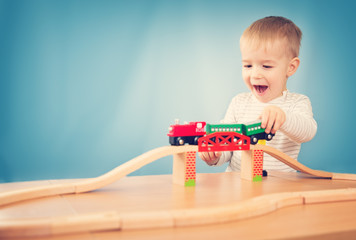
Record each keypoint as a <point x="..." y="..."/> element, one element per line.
<point x="87" y="85"/>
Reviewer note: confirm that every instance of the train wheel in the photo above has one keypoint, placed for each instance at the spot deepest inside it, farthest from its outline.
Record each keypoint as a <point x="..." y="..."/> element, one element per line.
<point x="196" y="140"/>
<point x="269" y="137"/>
<point x="180" y="141"/>
<point x="254" y="139"/>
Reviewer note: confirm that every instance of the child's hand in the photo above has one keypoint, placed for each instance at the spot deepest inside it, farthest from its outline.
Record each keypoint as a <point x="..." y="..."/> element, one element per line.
<point x="211" y="158"/>
<point x="272" y="119"/>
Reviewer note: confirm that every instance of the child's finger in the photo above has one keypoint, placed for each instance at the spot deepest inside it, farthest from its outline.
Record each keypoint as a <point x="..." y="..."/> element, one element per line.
<point x="212" y="156"/>
<point x="206" y="156"/>
<point x="209" y="157"/>
<point x="264" y="119"/>
<point x="279" y="122"/>
<point x="270" y="122"/>
<point x="202" y="156"/>
<point x="276" y="126"/>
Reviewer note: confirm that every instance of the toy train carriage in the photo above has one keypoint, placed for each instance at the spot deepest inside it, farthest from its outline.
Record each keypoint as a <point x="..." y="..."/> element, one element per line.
<point x="180" y="134"/>
<point x="252" y="130"/>
<point x="212" y="128"/>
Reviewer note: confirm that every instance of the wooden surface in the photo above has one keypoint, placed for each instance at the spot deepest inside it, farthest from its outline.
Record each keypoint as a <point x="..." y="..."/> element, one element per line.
<point x="147" y="194"/>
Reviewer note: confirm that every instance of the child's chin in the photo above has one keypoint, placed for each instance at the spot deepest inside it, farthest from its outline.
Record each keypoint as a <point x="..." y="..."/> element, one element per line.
<point x="262" y="98"/>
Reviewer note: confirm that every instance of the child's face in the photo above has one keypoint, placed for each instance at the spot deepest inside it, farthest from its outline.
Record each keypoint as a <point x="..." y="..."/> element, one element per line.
<point x="266" y="68"/>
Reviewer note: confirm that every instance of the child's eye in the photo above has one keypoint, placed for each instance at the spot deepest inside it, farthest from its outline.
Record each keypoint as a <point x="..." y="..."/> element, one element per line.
<point x="267" y="66"/>
<point x="247" y="66"/>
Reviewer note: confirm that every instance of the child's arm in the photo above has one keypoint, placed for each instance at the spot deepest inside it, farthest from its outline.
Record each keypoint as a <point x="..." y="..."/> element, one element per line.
<point x="296" y="122"/>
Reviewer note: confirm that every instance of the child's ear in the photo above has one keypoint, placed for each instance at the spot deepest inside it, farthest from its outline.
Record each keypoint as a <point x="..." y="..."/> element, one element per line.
<point x="293" y="66"/>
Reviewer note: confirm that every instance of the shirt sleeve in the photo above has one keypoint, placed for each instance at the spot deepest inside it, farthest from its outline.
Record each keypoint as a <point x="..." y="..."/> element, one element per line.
<point x="230" y="116"/>
<point x="300" y="125"/>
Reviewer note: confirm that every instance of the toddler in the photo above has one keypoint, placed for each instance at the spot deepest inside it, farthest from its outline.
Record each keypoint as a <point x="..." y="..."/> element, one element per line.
<point x="269" y="51"/>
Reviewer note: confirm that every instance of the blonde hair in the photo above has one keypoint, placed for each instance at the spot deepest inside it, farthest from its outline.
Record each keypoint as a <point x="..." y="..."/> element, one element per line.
<point x="269" y="29"/>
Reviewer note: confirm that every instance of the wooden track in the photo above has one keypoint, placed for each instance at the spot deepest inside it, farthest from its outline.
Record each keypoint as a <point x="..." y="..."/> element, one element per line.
<point x="290" y="161"/>
<point x="140" y="161"/>
<point x="94" y="183"/>
<point x="300" y="167"/>
<point x="116" y="221"/>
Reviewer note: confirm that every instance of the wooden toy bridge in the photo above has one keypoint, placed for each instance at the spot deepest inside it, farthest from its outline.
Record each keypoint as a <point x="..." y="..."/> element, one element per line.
<point x="184" y="158"/>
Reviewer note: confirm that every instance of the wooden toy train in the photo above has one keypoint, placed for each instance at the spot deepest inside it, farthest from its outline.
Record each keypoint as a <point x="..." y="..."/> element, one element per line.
<point x="180" y="134"/>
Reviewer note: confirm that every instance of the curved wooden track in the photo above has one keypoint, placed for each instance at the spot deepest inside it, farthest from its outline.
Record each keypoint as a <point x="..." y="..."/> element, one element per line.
<point x="94" y="183"/>
<point x="116" y="221"/>
<point x="290" y="161"/>
<point x="299" y="166"/>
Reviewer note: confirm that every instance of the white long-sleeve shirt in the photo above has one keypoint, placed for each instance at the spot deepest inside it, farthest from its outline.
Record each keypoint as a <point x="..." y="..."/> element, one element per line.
<point x="299" y="127"/>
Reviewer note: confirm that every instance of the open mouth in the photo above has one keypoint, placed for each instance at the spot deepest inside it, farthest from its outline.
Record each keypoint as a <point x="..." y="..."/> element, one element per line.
<point x="260" y="89"/>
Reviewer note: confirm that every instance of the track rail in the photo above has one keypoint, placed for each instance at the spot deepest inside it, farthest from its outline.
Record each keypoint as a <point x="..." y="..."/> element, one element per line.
<point x="299" y="166"/>
<point x="290" y="161"/>
<point x="93" y="183"/>
<point x="140" y="161"/>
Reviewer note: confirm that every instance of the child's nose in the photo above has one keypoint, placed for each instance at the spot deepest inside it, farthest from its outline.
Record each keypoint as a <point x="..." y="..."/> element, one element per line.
<point x="256" y="74"/>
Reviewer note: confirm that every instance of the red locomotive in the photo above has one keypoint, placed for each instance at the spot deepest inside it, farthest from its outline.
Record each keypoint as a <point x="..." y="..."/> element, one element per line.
<point x="180" y="134"/>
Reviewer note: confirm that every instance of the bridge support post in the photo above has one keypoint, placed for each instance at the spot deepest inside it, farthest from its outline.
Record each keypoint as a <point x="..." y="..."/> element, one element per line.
<point x="252" y="164"/>
<point x="184" y="171"/>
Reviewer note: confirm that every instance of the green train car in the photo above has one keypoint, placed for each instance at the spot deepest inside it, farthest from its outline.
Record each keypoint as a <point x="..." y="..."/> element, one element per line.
<point x="252" y="130"/>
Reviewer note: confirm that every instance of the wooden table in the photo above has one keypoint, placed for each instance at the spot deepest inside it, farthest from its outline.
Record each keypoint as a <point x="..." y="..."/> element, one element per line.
<point x="335" y="220"/>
